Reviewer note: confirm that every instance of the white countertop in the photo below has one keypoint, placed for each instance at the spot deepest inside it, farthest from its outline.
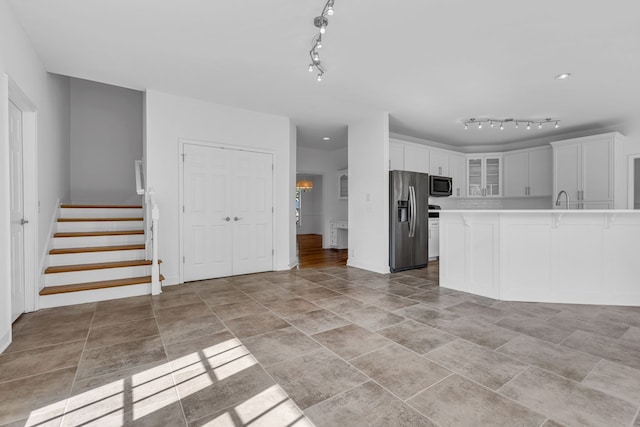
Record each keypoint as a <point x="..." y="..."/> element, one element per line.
<point x="541" y="211"/>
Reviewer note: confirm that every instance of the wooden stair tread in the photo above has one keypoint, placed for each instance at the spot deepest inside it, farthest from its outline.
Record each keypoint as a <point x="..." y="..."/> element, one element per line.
<point x="98" y="219"/>
<point x="96" y="249"/>
<point x="98" y="233"/>
<point x="96" y="266"/>
<point x="76" y="287"/>
<point x="70" y="206"/>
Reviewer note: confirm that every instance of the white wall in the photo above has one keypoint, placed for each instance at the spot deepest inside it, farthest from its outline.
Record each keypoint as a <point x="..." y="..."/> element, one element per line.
<point x="369" y="194"/>
<point x="20" y="63"/>
<point x="327" y="164"/>
<point x="106" y="138"/>
<point x="636" y="184"/>
<point x="170" y="118"/>
<point x="311" y="206"/>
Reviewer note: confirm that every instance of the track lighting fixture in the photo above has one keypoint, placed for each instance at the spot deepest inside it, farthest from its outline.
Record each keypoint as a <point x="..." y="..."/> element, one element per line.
<point x="516" y="123"/>
<point x="321" y="23"/>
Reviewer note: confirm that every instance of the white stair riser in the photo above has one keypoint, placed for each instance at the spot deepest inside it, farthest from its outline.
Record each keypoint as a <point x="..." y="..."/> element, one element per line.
<point x="100" y="213"/>
<point x="82" y="297"/>
<point x="91" y="241"/>
<point x="57" y="279"/>
<point x="64" y="227"/>
<point x="94" y="257"/>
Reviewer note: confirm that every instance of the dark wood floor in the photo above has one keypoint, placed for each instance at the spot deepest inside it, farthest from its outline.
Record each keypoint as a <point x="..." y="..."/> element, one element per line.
<point x="311" y="254"/>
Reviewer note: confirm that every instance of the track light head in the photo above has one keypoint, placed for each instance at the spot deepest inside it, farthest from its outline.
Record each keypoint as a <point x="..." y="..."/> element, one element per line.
<point x="502" y="123"/>
<point x="321" y="23"/>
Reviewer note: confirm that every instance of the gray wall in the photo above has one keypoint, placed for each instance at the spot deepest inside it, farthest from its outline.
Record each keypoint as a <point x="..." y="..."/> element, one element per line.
<point x="311" y="206"/>
<point x="106" y="138"/>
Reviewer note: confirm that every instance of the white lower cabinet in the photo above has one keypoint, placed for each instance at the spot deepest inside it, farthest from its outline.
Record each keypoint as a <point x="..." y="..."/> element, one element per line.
<point x="434" y="238"/>
<point x="338" y="235"/>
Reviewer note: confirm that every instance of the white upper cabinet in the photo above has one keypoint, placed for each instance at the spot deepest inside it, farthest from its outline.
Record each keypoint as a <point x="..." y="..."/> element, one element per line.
<point x="590" y="170"/>
<point x="540" y="172"/>
<point x="396" y="156"/>
<point x="439" y="163"/>
<point x="484" y="175"/>
<point x="527" y="173"/>
<point x="457" y="170"/>
<point x="434" y="161"/>
<point x="416" y="158"/>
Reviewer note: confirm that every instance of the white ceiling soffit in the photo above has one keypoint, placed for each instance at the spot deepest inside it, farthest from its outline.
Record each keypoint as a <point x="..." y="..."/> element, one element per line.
<point x="430" y="64"/>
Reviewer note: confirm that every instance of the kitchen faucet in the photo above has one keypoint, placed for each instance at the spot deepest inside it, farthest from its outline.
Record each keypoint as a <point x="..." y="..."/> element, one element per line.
<point x="558" y="198"/>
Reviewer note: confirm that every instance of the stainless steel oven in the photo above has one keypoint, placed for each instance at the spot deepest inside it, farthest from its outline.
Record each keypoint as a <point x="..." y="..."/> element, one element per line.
<point x="440" y="186"/>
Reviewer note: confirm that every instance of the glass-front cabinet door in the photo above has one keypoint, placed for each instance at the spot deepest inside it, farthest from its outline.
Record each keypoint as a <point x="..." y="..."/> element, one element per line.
<point x="474" y="178"/>
<point x="484" y="176"/>
<point x="492" y="176"/>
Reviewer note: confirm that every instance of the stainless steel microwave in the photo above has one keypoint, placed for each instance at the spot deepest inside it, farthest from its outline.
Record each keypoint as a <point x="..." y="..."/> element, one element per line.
<point x="440" y="186"/>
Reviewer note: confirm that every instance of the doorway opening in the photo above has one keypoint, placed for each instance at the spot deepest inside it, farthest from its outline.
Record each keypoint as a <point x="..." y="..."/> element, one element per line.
<point x="311" y="223"/>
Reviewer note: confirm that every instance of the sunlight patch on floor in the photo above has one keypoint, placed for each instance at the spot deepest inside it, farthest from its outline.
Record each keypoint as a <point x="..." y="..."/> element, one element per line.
<point x="116" y="399"/>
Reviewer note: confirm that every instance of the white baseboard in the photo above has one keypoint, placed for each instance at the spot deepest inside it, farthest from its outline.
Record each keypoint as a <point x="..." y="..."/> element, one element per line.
<point x="368" y="267"/>
<point x="5" y="340"/>
<point x="171" y="280"/>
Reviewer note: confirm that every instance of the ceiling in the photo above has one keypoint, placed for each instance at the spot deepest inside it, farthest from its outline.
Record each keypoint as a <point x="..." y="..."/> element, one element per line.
<point x="429" y="64"/>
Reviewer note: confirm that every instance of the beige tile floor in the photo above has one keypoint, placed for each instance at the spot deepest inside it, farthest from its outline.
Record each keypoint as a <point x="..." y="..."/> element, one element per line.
<point x="330" y="347"/>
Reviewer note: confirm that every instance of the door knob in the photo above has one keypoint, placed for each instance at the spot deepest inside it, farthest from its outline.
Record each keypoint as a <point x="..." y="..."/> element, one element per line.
<point x="24" y="221"/>
<point x="227" y="219"/>
<point x="235" y="218"/>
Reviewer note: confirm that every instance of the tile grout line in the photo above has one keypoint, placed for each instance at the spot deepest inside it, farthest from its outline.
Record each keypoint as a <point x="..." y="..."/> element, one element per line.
<point x="322" y="346"/>
<point x="258" y="363"/>
<point x="75" y="376"/>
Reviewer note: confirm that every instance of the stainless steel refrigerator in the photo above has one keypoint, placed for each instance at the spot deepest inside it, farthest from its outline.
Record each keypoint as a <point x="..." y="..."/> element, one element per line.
<point x="408" y="220"/>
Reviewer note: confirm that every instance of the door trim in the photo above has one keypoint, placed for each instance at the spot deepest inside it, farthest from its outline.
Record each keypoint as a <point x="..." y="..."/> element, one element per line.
<point x="211" y="144"/>
<point x="30" y="189"/>
<point x="631" y="176"/>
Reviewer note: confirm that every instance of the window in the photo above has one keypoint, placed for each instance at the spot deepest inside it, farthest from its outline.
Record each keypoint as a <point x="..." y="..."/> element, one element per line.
<point x="298" y="206"/>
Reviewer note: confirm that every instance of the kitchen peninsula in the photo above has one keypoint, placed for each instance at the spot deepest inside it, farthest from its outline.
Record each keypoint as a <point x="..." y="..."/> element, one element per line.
<point x="560" y="256"/>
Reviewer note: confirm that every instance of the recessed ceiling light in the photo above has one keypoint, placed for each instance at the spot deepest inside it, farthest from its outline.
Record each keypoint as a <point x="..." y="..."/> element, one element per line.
<point x="563" y="76"/>
<point x="326" y="138"/>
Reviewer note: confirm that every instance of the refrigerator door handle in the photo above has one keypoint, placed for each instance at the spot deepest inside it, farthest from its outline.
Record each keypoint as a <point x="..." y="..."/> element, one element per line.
<point x="412" y="211"/>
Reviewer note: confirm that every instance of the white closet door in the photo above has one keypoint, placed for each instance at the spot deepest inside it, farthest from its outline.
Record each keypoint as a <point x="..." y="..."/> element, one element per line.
<point x="17" y="212"/>
<point x="228" y="218"/>
<point x="252" y="212"/>
<point x="207" y="232"/>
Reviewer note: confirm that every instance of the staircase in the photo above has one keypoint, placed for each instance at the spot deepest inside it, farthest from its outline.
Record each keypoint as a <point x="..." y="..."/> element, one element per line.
<point x="98" y="254"/>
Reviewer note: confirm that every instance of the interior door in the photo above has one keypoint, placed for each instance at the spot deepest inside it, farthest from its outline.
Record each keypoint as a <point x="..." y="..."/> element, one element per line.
<point x="17" y="212"/>
<point x="252" y="212"/>
<point x="228" y="218"/>
<point x="207" y="233"/>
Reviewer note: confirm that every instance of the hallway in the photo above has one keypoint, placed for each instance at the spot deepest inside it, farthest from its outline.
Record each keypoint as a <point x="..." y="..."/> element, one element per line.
<point x="311" y="254"/>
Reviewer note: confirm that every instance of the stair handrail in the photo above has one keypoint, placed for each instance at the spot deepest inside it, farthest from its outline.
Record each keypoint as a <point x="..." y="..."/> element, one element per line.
<point x="139" y="177"/>
<point x="156" y="288"/>
<point x="151" y="239"/>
